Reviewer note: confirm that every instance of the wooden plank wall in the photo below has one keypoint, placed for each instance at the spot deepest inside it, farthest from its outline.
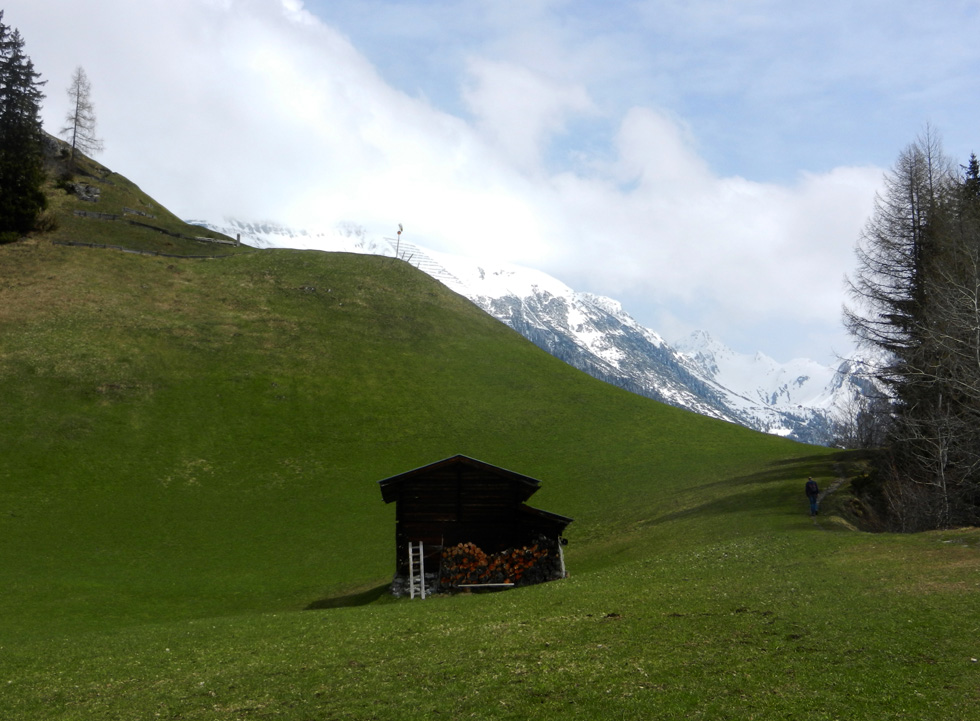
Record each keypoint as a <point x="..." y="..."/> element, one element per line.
<point x="453" y="505"/>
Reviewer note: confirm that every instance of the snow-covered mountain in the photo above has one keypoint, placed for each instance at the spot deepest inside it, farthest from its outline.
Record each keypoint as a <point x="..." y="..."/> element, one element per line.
<point x="346" y="237"/>
<point x="797" y="399"/>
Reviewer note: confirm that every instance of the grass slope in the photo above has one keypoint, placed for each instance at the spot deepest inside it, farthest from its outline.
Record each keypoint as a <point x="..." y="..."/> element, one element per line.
<point x="135" y="221"/>
<point x="189" y="457"/>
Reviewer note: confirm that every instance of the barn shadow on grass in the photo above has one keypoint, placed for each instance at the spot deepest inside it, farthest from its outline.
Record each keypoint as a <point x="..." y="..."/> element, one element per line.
<point x="350" y="600"/>
<point x="818" y="465"/>
<point x="765" y="491"/>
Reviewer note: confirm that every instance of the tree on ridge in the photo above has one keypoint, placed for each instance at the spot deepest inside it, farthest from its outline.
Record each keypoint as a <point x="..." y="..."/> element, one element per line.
<point x="79" y="129"/>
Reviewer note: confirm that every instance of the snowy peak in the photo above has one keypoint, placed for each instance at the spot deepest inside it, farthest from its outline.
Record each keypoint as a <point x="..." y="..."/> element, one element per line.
<point x="799" y="382"/>
<point x="703" y="353"/>
<point x="490" y="280"/>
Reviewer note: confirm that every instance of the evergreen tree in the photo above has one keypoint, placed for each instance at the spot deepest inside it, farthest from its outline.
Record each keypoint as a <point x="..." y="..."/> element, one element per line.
<point x="951" y="331"/>
<point x="893" y="252"/>
<point x="917" y="290"/>
<point x="971" y="179"/>
<point x="21" y="152"/>
<point x="79" y="130"/>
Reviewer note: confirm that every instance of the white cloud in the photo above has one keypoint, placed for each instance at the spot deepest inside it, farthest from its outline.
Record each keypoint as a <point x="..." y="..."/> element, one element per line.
<point x="729" y="252"/>
<point x="519" y="111"/>
<point x="259" y="110"/>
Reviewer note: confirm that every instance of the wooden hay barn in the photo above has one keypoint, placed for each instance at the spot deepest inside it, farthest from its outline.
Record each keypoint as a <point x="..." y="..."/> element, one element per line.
<point x="474" y="527"/>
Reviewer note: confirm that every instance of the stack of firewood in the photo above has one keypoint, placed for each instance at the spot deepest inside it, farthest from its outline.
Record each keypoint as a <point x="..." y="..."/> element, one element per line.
<point x="467" y="564"/>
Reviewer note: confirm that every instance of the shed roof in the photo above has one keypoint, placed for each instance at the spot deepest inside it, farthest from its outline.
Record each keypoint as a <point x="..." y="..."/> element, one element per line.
<point x="525" y="485"/>
<point x="555" y="518"/>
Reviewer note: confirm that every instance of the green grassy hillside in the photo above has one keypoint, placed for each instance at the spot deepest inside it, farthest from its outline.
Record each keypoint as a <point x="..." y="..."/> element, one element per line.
<point x="191" y="526"/>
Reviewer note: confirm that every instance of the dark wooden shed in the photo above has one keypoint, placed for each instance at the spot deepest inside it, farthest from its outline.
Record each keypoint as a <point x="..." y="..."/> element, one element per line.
<point x="460" y="500"/>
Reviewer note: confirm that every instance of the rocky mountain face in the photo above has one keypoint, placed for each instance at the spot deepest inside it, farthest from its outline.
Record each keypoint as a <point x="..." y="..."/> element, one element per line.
<point x="798" y="399"/>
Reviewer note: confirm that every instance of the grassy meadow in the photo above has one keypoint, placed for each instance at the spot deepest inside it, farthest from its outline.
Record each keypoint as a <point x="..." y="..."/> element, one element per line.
<point x="191" y="528"/>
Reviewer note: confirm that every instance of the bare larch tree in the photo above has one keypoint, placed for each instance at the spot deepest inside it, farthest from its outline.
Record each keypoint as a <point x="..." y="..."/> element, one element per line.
<point x="79" y="129"/>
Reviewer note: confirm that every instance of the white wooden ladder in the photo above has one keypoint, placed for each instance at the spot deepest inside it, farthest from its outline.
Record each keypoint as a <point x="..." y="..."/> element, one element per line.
<point x="416" y="570"/>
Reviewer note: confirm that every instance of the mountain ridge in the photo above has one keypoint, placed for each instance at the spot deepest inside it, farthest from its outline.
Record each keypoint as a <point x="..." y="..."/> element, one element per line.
<point x="799" y="399"/>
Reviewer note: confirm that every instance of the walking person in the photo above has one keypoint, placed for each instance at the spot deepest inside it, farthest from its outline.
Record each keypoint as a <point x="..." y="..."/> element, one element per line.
<point x="812" y="493"/>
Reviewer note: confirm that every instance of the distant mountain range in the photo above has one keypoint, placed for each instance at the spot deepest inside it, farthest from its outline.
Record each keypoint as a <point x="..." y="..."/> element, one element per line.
<point x="798" y="399"/>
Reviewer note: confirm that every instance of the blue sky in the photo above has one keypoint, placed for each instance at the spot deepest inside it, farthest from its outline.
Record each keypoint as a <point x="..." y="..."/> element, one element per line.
<point x="710" y="164"/>
<point x="768" y="88"/>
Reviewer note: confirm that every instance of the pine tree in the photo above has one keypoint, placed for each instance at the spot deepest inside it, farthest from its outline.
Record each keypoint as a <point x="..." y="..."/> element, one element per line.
<point x="971" y="179"/>
<point x="917" y="293"/>
<point x="21" y="151"/>
<point x="895" y="248"/>
<point x="79" y="130"/>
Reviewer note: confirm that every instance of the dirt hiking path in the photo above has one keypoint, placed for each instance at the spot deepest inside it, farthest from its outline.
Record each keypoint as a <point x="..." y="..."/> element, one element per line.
<point x="839" y="470"/>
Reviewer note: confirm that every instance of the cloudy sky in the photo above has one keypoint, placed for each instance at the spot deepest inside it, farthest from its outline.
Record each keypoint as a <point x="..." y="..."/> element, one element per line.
<point x="709" y="163"/>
